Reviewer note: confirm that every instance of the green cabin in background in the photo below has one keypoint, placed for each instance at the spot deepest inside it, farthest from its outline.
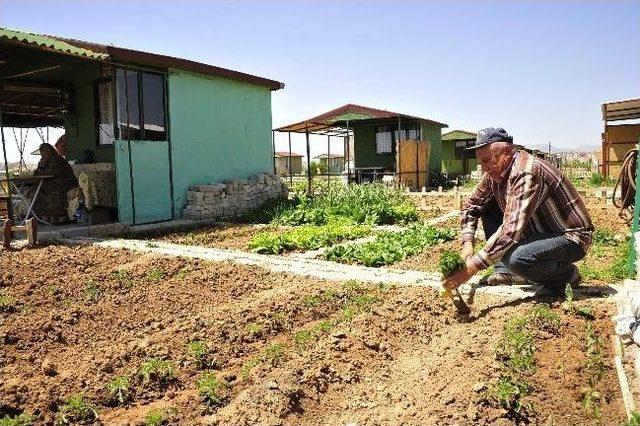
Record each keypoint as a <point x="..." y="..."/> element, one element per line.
<point x="455" y="160"/>
<point x="165" y="123"/>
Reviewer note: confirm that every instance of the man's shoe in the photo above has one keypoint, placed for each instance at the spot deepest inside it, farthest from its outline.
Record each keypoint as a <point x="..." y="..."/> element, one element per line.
<point x="502" y="278"/>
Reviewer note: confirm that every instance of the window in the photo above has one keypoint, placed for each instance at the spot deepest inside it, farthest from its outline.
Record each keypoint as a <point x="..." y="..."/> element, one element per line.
<point x="140" y="106"/>
<point x="384" y="143"/>
<point x="105" y="112"/>
<point x="387" y="135"/>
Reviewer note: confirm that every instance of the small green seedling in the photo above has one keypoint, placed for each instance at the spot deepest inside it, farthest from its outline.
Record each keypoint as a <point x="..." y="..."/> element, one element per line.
<point x="323" y="327"/>
<point x="209" y="388"/>
<point x="92" y="291"/>
<point x="156" y="370"/>
<point x="200" y="353"/>
<point x="77" y="410"/>
<point x="275" y="353"/>
<point x="248" y="365"/>
<point x="156" y="274"/>
<point x="302" y="339"/>
<point x="254" y="329"/>
<point x="544" y="318"/>
<point x="311" y="301"/>
<point x="119" y="389"/>
<point x="6" y="304"/>
<point x="19" y="420"/>
<point x="159" y="416"/>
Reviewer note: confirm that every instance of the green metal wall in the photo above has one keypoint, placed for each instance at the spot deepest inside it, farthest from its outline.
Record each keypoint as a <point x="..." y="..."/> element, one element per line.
<point x="220" y="129"/>
<point x="450" y="164"/>
<point x="365" y="146"/>
<point x="80" y="126"/>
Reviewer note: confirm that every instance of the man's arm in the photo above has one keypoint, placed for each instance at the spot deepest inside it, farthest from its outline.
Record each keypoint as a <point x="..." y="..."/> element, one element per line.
<point x="472" y="210"/>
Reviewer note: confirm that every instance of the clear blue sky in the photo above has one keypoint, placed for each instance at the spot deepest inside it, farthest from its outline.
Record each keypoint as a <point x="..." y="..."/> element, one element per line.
<point x="540" y="69"/>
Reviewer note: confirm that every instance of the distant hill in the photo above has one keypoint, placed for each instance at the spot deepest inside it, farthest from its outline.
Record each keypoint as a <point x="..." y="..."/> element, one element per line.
<point x="555" y="149"/>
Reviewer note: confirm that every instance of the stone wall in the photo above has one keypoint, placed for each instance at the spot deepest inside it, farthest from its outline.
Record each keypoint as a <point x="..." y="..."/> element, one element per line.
<point x="232" y="198"/>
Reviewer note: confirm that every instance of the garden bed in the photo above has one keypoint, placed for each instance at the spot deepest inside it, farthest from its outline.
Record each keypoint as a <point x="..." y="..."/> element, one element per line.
<point x="216" y="343"/>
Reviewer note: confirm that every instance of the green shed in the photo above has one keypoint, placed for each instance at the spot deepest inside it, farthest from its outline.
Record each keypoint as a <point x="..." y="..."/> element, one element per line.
<point x="455" y="160"/>
<point x="371" y="138"/>
<point x="164" y="123"/>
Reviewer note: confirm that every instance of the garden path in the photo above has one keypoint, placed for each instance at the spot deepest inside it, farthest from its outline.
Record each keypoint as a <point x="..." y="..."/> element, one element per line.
<point x="326" y="269"/>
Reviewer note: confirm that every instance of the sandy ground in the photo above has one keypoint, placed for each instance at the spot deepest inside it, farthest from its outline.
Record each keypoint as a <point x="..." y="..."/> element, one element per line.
<point x="79" y="316"/>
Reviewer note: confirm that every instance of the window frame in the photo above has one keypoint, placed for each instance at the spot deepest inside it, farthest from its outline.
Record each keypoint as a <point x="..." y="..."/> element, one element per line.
<point x="140" y="97"/>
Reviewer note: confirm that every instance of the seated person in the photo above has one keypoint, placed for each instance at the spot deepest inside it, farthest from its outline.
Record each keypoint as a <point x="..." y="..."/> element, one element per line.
<point x="51" y="204"/>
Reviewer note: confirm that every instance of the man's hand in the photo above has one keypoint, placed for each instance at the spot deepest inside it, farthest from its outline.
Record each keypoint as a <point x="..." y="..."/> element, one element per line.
<point x="462" y="276"/>
<point x="467" y="250"/>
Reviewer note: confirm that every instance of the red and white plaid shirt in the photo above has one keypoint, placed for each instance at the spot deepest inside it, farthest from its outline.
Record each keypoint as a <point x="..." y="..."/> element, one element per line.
<point x="535" y="198"/>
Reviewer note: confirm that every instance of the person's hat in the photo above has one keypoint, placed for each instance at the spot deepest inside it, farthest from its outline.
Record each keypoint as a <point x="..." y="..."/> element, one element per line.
<point x="491" y="134"/>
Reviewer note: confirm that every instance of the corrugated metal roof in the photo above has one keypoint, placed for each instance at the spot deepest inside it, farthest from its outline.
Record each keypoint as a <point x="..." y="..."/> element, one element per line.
<point x="456" y="135"/>
<point x="130" y="56"/>
<point x="46" y="42"/>
<point x="349" y="112"/>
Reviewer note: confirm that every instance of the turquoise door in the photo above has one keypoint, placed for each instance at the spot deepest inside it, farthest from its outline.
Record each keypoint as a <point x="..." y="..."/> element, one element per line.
<point x="144" y="181"/>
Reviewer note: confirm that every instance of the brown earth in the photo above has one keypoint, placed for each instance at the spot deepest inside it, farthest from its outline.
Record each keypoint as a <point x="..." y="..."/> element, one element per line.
<point x="231" y="236"/>
<point x="80" y="316"/>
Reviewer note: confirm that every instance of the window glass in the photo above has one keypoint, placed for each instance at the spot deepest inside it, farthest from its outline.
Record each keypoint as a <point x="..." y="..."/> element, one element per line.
<point x="153" y="104"/>
<point x="133" y="106"/>
<point x="105" y="111"/>
<point x="401" y="137"/>
<point x="384" y="142"/>
<point x="413" y="134"/>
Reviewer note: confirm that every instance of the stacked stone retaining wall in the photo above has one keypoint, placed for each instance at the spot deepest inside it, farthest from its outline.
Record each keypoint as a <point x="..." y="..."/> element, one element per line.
<point x="232" y="198"/>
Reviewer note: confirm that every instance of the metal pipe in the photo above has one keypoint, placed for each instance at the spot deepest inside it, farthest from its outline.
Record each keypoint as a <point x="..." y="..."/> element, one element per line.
<point x="6" y="169"/>
<point x="308" y="166"/>
<point x="328" y="158"/>
<point x="290" y="169"/>
<point x="348" y="156"/>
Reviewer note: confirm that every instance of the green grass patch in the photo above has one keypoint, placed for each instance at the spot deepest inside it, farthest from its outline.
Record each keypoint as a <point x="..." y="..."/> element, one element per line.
<point x="308" y="237"/>
<point x="19" y="420"/>
<point x="390" y="247"/>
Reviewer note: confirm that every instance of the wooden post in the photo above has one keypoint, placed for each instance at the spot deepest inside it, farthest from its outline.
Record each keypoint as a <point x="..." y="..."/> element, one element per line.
<point x="31" y="228"/>
<point x="7" y="234"/>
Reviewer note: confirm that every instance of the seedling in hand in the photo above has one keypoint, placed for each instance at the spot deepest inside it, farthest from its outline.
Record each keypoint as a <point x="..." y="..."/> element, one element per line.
<point x="450" y="263"/>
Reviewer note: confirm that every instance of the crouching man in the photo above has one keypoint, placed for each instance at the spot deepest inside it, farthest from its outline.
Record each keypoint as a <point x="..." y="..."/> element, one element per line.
<point x="535" y="222"/>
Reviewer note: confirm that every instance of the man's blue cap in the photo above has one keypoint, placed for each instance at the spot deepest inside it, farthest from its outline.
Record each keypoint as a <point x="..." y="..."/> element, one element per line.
<point x="491" y="134"/>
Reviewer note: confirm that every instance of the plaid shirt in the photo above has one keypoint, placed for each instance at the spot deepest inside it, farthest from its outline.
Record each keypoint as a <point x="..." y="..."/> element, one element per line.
<point x="535" y="198"/>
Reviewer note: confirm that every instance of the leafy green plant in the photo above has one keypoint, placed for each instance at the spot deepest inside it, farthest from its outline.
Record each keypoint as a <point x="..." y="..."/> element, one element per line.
<point x="254" y="329"/>
<point x="122" y="278"/>
<point x="390" y="247"/>
<point x="323" y="327"/>
<point x="92" y="291"/>
<point x="200" y="353"/>
<point x="302" y="339"/>
<point x="119" y="389"/>
<point x="594" y="366"/>
<point x="308" y="237"/>
<point x="6" y="304"/>
<point x="311" y="301"/>
<point x="19" y="420"/>
<point x="248" y="365"/>
<point x="279" y="321"/>
<point x="159" y="416"/>
<point x="156" y="274"/>
<point x="275" y="353"/>
<point x="508" y="393"/>
<point x="634" y="420"/>
<point x="544" y="318"/>
<point x="604" y="237"/>
<point x="156" y="370"/>
<point x="209" y="388"/>
<point x="77" y="410"/>
<point x="450" y="263"/>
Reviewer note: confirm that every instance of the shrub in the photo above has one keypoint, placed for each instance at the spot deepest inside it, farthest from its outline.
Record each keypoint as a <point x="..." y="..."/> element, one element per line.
<point x="390" y="247"/>
<point x="77" y="410"/>
<point x="156" y="370"/>
<point x="209" y="388"/>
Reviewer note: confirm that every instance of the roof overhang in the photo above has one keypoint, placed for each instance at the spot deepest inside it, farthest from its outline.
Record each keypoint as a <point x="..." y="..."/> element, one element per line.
<point x="621" y="110"/>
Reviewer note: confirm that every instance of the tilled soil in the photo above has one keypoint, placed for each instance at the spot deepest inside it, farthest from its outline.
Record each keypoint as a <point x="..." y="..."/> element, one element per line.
<point x="226" y="236"/>
<point x="290" y="350"/>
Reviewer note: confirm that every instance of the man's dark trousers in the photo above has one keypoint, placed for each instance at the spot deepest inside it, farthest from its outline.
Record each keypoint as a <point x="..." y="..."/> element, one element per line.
<point x="546" y="259"/>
